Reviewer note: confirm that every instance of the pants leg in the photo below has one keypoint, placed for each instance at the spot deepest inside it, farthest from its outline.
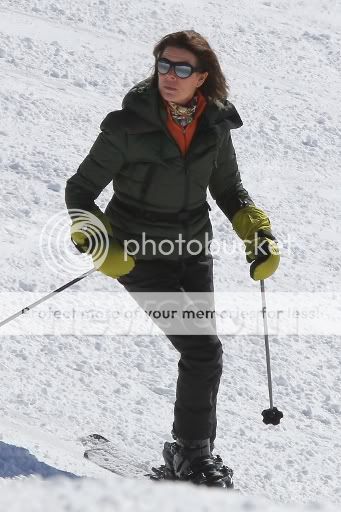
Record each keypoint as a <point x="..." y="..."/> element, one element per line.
<point x="200" y="364"/>
<point x="203" y="355"/>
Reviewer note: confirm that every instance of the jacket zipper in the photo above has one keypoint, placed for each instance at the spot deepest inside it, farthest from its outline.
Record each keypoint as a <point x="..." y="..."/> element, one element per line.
<point x="185" y="161"/>
<point x="186" y="191"/>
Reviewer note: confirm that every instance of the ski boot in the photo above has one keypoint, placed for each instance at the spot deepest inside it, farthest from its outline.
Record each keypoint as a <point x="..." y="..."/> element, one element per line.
<point x="193" y="461"/>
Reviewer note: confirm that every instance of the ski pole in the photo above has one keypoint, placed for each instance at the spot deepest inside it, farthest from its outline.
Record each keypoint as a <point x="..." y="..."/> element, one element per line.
<point x="43" y="299"/>
<point x="270" y="416"/>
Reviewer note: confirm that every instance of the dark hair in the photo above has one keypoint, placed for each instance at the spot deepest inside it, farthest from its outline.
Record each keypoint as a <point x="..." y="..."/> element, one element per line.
<point x="215" y="86"/>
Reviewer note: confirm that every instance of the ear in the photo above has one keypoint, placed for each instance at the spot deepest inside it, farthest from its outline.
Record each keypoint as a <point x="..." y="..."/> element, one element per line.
<point x="202" y="78"/>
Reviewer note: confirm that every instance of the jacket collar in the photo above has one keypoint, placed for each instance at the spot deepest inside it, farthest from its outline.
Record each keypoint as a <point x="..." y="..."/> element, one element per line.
<point x="145" y="102"/>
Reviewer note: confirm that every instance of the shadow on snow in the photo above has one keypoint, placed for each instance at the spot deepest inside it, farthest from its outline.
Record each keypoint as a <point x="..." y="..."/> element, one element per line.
<point x="16" y="461"/>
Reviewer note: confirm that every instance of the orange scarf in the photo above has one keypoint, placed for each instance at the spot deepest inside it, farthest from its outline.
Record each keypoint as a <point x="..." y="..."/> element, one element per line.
<point x="184" y="135"/>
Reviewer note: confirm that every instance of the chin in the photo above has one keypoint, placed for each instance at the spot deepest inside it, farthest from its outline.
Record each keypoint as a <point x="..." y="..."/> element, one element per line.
<point x="170" y="96"/>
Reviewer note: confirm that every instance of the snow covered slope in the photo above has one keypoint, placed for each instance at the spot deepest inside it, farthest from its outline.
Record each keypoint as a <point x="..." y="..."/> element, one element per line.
<point x="64" y="65"/>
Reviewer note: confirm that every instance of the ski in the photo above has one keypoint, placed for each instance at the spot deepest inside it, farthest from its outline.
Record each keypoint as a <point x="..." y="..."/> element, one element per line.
<point x="102" y="452"/>
<point x="117" y="459"/>
<point x="120" y="461"/>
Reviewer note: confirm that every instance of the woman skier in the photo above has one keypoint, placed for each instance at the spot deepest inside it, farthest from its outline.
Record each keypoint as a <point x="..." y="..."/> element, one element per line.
<point x="169" y="144"/>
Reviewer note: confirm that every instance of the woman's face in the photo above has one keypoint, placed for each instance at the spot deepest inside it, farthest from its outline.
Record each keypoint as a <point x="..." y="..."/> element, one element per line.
<point x="175" y="89"/>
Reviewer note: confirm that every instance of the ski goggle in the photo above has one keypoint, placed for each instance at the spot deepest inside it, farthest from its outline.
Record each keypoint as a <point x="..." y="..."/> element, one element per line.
<point x="181" y="69"/>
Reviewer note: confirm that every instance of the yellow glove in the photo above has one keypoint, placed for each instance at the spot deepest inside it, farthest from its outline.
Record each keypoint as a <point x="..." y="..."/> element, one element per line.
<point x="92" y="234"/>
<point x="253" y="226"/>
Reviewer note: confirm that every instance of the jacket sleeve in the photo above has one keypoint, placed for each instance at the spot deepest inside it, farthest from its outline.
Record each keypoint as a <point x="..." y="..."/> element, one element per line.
<point x="225" y="183"/>
<point x="96" y="171"/>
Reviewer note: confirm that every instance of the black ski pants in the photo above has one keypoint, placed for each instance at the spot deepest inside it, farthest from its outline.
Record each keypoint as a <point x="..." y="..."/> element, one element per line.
<point x="200" y="364"/>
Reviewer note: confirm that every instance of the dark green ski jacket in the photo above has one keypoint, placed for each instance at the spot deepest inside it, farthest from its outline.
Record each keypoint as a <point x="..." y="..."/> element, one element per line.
<point x="159" y="194"/>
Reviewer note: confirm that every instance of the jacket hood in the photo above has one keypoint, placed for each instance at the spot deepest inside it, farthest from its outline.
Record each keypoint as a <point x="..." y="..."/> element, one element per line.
<point x="145" y="101"/>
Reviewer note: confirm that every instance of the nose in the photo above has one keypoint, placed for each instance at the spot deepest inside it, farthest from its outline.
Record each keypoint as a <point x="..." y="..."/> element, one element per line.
<point x="171" y="74"/>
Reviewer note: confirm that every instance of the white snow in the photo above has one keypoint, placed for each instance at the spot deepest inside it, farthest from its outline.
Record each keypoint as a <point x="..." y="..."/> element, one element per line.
<point x="63" y="66"/>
